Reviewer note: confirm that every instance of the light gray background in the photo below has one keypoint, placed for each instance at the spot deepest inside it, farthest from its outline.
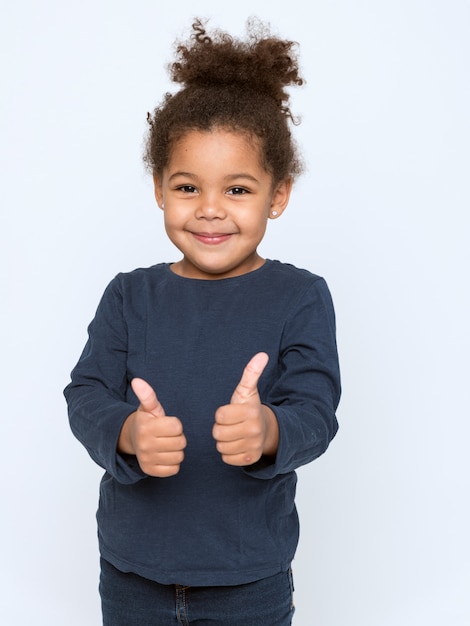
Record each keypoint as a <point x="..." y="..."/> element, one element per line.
<point x="382" y="213"/>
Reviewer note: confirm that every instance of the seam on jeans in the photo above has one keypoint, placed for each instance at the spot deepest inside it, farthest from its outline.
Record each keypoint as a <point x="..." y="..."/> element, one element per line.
<point x="291" y="583"/>
<point x="181" y="604"/>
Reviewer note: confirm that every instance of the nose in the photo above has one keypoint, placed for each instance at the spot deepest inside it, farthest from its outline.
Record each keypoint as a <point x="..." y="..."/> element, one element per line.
<point x="210" y="207"/>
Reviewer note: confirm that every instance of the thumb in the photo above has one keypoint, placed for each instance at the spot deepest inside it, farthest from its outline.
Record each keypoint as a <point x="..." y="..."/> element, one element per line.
<point x="147" y="397"/>
<point x="248" y="385"/>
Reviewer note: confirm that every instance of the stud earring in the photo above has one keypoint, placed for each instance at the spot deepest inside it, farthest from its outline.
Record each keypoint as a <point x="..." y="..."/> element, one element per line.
<point x="274" y="213"/>
<point x="163" y="205"/>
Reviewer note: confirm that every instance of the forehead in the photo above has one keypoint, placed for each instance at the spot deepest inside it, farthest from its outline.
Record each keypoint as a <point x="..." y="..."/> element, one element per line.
<point x="218" y="146"/>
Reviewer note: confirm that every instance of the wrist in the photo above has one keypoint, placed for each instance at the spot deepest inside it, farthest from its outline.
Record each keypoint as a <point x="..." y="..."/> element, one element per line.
<point x="125" y="444"/>
<point x="271" y="439"/>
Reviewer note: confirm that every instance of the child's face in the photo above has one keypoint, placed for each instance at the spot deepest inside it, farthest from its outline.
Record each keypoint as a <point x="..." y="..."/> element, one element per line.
<point x="216" y="198"/>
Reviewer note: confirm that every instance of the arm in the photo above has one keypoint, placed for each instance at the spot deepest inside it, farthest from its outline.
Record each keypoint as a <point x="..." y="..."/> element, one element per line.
<point x="306" y="390"/>
<point x="97" y="395"/>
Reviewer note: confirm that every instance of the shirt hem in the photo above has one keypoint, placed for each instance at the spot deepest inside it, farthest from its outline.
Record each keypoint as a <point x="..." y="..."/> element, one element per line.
<point x="194" y="579"/>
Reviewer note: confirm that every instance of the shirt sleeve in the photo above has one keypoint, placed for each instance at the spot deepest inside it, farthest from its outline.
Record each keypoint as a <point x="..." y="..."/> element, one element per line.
<point x="97" y="394"/>
<point x="306" y="392"/>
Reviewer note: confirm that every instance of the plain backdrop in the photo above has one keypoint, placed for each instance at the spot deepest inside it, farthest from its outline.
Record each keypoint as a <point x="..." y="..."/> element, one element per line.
<point x="382" y="213"/>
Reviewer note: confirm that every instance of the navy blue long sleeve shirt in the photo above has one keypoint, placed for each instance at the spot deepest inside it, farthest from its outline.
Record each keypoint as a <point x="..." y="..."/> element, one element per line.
<point x="190" y="339"/>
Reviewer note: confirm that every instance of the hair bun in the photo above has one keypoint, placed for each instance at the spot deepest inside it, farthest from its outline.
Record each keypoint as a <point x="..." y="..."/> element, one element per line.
<point x="262" y="62"/>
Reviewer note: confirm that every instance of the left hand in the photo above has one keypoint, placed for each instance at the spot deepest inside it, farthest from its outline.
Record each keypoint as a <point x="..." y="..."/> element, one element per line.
<point x="245" y="429"/>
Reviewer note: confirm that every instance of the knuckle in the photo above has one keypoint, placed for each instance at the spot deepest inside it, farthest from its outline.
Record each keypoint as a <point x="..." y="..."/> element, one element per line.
<point x="164" y="471"/>
<point x="143" y="447"/>
<point x="175" y="427"/>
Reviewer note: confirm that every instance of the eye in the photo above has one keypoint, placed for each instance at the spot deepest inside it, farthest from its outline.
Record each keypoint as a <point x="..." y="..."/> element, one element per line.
<point x="187" y="189"/>
<point x="237" y="191"/>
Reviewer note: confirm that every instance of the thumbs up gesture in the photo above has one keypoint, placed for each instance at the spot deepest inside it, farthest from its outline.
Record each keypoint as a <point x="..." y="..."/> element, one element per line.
<point x="245" y="429"/>
<point x="156" y="439"/>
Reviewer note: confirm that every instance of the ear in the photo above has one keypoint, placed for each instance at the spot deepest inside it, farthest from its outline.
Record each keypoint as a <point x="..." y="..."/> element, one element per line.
<point x="158" y="190"/>
<point x="280" y="198"/>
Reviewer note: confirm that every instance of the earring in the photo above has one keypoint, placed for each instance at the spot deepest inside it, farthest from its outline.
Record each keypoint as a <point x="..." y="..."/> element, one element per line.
<point x="274" y="213"/>
<point x="163" y="206"/>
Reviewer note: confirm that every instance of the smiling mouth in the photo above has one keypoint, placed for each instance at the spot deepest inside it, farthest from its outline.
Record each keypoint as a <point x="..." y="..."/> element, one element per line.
<point x="212" y="238"/>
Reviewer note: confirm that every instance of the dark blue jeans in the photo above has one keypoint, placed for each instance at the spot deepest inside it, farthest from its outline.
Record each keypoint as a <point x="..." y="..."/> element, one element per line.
<point x="130" y="600"/>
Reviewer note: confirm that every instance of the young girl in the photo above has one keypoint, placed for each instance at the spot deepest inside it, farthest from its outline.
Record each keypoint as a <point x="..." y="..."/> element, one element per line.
<point x="206" y="382"/>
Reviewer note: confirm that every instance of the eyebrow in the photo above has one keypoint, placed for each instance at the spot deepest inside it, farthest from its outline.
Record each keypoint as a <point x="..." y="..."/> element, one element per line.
<point x="241" y="175"/>
<point x="227" y="178"/>
<point x="187" y="174"/>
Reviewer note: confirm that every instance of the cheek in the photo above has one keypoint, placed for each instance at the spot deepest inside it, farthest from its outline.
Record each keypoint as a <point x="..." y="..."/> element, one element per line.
<point x="170" y="224"/>
<point x="259" y="225"/>
<point x="170" y="218"/>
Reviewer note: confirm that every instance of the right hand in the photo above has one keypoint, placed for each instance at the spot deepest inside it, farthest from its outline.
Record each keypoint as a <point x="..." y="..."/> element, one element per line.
<point x="156" y="439"/>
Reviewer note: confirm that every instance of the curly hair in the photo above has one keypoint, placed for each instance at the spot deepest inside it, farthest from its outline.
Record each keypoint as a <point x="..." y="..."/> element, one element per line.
<point x="231" y="84"/>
